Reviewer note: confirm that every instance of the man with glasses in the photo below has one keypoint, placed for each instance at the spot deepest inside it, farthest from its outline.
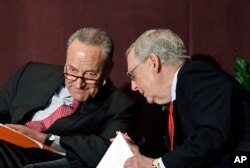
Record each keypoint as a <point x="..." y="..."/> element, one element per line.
<point x="74" y="108"/>
<point x="208" y="119"/>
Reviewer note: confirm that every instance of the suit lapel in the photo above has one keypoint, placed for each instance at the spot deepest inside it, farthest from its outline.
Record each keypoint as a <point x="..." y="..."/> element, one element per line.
<point x="48" y="88"/>
<point x="85" y="109"/>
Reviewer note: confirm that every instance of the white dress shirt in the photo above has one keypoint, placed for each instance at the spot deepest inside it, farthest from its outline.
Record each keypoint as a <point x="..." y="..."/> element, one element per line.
<point x="59" y="98"/>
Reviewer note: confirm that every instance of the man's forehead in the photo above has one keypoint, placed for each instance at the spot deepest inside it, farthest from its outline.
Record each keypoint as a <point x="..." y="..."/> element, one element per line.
<point x="131" y="59"/>
<point x="89" y="57"/>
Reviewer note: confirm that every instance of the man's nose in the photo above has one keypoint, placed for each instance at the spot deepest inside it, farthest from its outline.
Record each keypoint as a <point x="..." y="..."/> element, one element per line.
<point x="134" y="87"/>
<point x="80" y="83"/>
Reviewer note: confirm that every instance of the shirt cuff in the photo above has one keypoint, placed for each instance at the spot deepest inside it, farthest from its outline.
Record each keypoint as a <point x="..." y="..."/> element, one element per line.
<point x="56" y="145"/>
<point x="161" y="163"/>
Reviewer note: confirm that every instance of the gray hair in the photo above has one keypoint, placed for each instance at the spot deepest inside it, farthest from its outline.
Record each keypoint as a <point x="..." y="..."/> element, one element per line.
<point x="94" y="37"/>
<point x="162" y="42"/>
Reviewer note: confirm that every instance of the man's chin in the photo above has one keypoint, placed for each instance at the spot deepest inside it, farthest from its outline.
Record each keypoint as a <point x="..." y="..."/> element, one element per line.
<point x="150" y="101"/>
<point x="80" y="98"/>
<point x="155" y="101"/>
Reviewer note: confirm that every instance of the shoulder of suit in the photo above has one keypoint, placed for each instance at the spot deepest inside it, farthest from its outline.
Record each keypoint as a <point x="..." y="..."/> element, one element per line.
<point x="200" y="64"/>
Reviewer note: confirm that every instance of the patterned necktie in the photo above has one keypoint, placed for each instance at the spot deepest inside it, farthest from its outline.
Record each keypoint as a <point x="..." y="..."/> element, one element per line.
<point x="61" y="111"/>
<point x="171" y="125"/>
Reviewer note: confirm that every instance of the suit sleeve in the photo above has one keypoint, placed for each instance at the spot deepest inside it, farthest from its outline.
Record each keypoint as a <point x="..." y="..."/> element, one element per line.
<point x="123" y="114"/>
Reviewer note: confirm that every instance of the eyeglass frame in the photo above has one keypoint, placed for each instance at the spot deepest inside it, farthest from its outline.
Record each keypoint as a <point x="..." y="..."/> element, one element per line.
<point x="130" y="73"/>
<point x="84" y="79"/>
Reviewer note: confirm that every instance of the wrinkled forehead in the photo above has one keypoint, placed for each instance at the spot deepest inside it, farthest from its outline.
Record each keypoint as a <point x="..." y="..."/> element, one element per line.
<point x="83" y="57"/>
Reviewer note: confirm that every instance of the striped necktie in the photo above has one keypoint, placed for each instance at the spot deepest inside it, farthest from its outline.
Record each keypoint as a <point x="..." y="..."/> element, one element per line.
<point x="61" y="111"/>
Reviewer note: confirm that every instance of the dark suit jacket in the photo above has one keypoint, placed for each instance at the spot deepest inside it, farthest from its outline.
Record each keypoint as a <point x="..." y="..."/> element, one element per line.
<point x="212" y="117"/>
<point x="86" y="133"/>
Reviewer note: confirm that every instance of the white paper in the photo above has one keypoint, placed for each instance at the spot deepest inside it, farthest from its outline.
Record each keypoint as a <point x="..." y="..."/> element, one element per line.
<point x="117" y="153"/>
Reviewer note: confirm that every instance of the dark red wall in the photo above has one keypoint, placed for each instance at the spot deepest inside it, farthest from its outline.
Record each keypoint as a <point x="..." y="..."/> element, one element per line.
<point x="37" y="30"/>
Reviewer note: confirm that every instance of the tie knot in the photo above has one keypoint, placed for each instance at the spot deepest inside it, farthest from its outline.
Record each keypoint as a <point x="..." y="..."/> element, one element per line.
<point x="75" y="104"/>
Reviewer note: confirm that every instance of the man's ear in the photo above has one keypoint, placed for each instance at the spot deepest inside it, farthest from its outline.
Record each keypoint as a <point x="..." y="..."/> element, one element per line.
<point x="156" y="62"/>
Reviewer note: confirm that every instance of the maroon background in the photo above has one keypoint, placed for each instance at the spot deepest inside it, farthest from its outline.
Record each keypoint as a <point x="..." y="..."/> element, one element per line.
<point x="37" y="30"/>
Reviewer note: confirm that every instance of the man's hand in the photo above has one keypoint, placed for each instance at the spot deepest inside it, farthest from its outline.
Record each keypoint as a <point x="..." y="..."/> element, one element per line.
<point x="38" y="136"/>
<point x="138" y="161"/>
<point x="127" y="138"/>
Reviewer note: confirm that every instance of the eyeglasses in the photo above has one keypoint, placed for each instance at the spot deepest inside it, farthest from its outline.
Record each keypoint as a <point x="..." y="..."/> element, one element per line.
<point x="130" y="73"/>
<point x="89" y="77"/>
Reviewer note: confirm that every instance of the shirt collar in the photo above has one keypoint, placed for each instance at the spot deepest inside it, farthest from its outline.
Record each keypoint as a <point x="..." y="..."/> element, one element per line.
<point x="65" y="95"/>
<point x="173" y="86"/>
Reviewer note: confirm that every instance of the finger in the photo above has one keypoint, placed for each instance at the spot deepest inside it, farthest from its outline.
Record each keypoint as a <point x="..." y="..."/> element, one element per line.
<point x="128" y="139"/>
<point x="134" y="149"/>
